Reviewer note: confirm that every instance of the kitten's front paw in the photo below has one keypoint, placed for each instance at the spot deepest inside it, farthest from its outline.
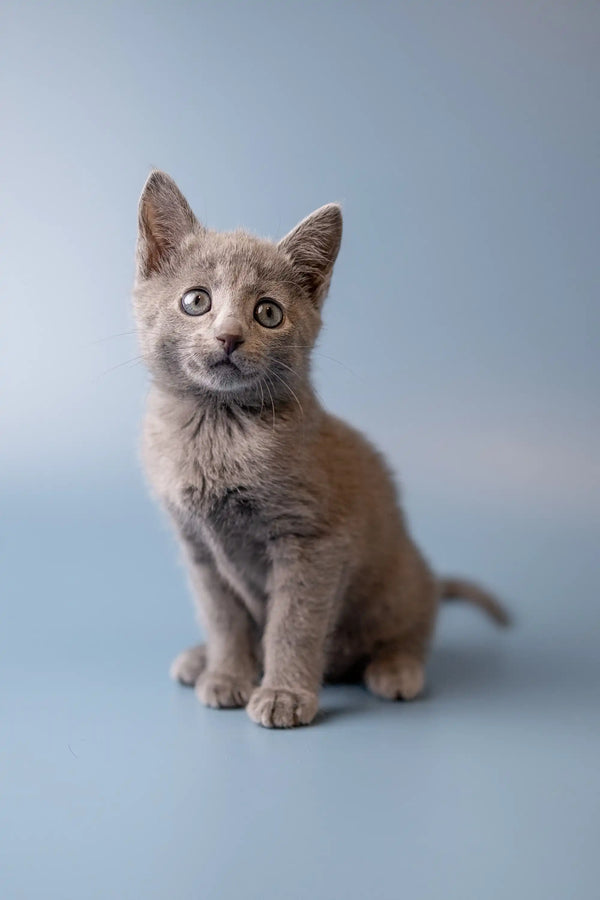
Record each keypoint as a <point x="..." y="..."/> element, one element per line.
<point x="188" y="666"/>
<point x="221" y="691"/>
<point x="282" y="708"/>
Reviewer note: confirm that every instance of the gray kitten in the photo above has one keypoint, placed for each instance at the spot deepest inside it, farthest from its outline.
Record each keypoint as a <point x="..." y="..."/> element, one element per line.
<point x="298" y="553"/>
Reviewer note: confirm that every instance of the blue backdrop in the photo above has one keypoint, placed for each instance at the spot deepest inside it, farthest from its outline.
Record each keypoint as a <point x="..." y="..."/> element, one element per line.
<point x="461" y="334"/>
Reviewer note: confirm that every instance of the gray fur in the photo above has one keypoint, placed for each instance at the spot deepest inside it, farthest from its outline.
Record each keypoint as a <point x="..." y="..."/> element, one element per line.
<point x="298" y="554"/>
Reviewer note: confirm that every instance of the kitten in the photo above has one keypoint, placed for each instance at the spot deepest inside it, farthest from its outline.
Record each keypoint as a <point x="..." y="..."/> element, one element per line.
<point x="300" y="561"/>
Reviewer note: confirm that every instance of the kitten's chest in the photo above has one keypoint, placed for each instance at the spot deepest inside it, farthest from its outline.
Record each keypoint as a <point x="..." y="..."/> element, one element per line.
<point x="227" y="525"/>
<point x="205" y="463"/>
<point x="210" y="481"/>
<point x="230" y="512"/>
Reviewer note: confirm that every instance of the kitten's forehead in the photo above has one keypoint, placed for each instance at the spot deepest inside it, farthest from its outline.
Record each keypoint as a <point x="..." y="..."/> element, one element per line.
<point x="237" y="258"/>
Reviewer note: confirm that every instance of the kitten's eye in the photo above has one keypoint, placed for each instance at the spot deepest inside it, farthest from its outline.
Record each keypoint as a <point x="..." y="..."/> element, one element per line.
<point x="196" y="302"/>
<point x="268" y="313"/>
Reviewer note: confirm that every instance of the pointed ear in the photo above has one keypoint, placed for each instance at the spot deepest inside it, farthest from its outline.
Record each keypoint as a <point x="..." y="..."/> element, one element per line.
<point x="313" y="246"/>
<point x="164" y="219"/>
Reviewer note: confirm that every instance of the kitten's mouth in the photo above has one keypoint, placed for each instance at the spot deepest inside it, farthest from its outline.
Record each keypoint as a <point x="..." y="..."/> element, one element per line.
<point x="221" y="374"/>
<point x="225" y="364"/>
<point x="228" y="375"/>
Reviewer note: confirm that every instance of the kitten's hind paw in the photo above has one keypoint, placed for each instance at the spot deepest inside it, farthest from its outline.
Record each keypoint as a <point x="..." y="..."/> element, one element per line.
<point x="398" y="678"/>
<point x="221" y="691"/>
<point x="282" y="708"/>
<point x="189" y="665"/>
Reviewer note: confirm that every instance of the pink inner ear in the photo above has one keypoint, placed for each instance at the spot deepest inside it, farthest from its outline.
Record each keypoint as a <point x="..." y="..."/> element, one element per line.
<point x="165" y="217"/>
<point x="313" y="247"/>
<point x="314" y="243"/>
<point x="153" y="236"/>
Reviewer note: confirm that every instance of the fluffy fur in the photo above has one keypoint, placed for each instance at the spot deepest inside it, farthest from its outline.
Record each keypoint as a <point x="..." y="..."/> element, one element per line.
<point x="299" y="557"/>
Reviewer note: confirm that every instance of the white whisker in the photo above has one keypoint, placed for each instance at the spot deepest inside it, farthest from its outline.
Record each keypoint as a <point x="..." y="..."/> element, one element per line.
<point x="135" y="359"/>
<point x="286" y="385"/>
<point x="111" y="336"/>
<point x="323" y="355"/>
<point x="267" y="381"/>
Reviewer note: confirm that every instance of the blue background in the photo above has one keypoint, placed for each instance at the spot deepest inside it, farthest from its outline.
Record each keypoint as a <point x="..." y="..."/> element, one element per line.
<point x="461" y="334"/>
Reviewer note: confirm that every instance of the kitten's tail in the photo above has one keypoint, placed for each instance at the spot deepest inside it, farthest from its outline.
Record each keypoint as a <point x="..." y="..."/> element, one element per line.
<point x="462" y="589"/>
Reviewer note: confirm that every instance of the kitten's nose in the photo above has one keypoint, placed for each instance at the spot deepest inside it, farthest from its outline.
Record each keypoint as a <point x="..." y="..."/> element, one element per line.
<point x="230" y="340"/>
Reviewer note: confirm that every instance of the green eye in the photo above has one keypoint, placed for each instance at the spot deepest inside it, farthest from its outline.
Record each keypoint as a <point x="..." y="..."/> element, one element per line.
<point x="268" y="313"/>
<point x="196" y="302"/>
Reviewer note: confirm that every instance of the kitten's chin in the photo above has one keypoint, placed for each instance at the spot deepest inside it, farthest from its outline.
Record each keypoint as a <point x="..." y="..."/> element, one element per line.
<point x="221" y="376"/>
<point x="226" y="379"/>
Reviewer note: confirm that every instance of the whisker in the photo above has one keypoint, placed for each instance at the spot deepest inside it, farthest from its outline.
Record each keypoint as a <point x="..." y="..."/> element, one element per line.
<point x="323" y="355"/>
<point x="135" y="359"/>
<point x="267" y="381"/>
<point x="111" y="336"/>
<point x="286" y="385"/>
<point x="285" y="366"/>
<point x="338" y="361"/>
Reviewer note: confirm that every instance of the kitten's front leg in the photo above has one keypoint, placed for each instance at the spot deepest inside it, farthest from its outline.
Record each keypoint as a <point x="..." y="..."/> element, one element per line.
<point x="230" y="672"/>
<point x="305" y="588"/>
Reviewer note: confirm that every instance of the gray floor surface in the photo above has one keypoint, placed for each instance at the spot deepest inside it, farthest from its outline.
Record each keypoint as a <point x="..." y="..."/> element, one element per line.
<point x="116" y="783"/>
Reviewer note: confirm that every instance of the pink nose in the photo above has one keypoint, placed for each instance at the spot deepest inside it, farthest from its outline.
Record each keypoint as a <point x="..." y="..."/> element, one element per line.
<point x="229" y="341"/>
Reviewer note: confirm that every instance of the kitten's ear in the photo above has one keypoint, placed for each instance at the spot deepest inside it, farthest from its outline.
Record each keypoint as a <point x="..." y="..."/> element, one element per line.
<point x="164" y="219"/>
<point x="313" y="246"/>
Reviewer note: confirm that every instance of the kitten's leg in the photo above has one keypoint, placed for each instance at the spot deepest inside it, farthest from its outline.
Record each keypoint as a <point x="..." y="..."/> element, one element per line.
<point x="305" y="587"/>
<point x="397" y="669"/>
<point x="231" y="669"/>
<point x="188" y="666"/>
<point x="408" y="608"/>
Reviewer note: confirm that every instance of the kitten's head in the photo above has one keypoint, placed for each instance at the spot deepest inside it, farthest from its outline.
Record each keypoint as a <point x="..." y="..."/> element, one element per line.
<point x="228" y="314"/>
